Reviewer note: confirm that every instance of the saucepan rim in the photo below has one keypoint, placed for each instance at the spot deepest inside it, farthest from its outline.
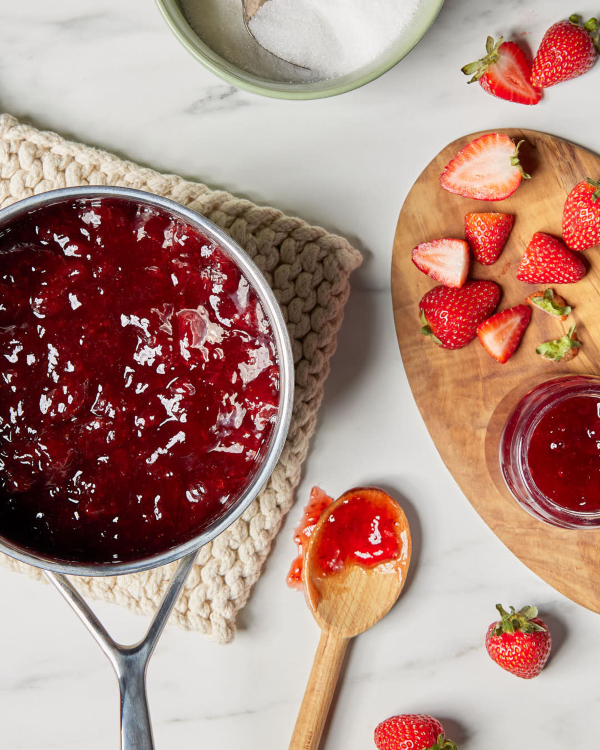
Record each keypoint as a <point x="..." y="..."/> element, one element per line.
<point x="286" y="367"/>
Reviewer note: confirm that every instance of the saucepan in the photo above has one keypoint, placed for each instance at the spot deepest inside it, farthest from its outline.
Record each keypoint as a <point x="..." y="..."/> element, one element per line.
<point x="130" y="661"/>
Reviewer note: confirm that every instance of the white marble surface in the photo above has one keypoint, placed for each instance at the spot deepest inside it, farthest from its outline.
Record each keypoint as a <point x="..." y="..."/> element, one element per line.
<point x="111" y="74"/>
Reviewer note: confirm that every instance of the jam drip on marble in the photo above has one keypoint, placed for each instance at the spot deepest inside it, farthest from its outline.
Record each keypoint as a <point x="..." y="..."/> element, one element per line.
<point x="139" y="384"/>
<point x="564" y="454"/>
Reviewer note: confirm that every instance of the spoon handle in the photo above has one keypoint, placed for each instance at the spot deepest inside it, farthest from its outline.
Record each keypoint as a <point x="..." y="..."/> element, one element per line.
<point x="319" y="691"/>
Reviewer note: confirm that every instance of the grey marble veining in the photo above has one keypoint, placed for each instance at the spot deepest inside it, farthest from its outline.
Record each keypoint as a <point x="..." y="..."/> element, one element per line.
<point x="115" y="77"/>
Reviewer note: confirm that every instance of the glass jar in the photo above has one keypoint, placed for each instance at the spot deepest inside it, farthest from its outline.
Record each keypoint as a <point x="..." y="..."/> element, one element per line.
<point x="550" y="452"/>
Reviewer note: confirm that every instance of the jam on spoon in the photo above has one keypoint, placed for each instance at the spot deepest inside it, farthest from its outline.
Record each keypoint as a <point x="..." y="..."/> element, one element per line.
<point x="139" y="382"/>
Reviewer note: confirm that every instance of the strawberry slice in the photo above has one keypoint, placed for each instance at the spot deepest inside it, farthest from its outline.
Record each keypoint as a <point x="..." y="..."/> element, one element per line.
<point x="487" y="169"/>
<point x="548" y="261"/>
<point x="487" y="235"/>
<point x="500" y="335"/>
<point x="445" y="260"/>
<point x="504" y="72"/>
<point x="451" y="316"/>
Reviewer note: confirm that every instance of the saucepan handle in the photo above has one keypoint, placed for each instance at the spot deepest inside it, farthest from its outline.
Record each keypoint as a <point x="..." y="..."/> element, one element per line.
<point x="130" y="662"/>
<point x="136" y="729"/>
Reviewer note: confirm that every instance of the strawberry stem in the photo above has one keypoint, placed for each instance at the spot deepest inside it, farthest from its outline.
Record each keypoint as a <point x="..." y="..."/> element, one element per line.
<point x="514" y="160"/>
<point x="596" y="184"/>
<point x="443" y="744"/>
<point x="513" y="622"/>
<point x="478" y="68"/>
<point x="426" y="329"/>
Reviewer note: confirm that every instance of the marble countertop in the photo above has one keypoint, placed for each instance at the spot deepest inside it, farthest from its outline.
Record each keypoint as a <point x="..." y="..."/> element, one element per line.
<point x="113" y="75"/>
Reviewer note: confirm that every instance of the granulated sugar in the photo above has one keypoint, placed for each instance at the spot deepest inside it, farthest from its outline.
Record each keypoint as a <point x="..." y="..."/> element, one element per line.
<point x="329" y="37"/>
<point x="332" y="37"/>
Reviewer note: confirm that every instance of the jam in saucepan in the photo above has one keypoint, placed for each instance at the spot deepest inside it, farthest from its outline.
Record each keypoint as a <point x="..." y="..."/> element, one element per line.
<point x="139" y="383"/>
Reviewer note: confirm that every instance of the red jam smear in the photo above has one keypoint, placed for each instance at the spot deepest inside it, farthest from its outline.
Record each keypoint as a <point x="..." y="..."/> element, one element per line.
<point x="318" y="503"/>
<point x="564" y="454"/>
<point x="139" y="384"/>
<point x="361" y="530"/>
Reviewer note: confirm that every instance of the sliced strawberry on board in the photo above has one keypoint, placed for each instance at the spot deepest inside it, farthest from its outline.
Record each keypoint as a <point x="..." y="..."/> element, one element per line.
<point x="581" y="216"/>
<point x="451" y="316"/>
<point x="445" y="260"/>
<point x="551" y="303"/>
<point x="487" y="234"/>
<point x="504" y="72"/>
<point x="501" y="334"/>
<point x="548" y="261"/>
<point x="487" y="169"/>
<point x="563" y="349"/>
<point x="567" y="51"/>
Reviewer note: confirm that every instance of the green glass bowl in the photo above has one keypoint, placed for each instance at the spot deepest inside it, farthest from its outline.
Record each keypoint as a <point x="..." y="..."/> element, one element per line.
<point x="241" y="78"/>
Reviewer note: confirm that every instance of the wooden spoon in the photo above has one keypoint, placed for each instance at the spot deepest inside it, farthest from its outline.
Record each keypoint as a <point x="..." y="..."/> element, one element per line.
<point x="344" y="604"/>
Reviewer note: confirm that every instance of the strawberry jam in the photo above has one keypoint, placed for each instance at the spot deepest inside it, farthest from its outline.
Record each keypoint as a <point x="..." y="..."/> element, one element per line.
<point x="361" y="529"/>
<point x="318" y="502"/>
<point x="564" y="453"/>
<point x="550" y="451"/>
<point x="139" y="383"/>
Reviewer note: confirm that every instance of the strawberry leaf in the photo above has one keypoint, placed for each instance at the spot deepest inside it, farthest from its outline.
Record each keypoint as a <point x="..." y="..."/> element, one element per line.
<point x="514" y="160"/>
<point x="596" y="184"/>
<point x="443" y="744"/>
<point x="548" y="304"/>
<point x="555" y="350"/>
<point x="514" y="622"/>
<point x="426" y="330"/>
<point x="478" y="68"/>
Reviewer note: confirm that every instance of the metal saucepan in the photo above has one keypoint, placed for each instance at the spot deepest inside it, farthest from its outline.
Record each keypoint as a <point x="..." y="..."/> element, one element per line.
<point x="130" y="662"/>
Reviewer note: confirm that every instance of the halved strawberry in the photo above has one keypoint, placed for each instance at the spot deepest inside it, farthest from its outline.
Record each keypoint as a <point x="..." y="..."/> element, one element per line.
<point x="504" y="72"/>
<point x="451" y="316"/>
<point x="445" y="260"/>
<point x="548" y="261"/>
<point x="487" y="234"/>
<point x="488" y="169"/>
<point x="500" y="335"/>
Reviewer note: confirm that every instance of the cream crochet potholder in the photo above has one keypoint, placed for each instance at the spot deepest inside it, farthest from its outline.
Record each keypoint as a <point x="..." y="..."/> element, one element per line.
<point x="307" y="268"/>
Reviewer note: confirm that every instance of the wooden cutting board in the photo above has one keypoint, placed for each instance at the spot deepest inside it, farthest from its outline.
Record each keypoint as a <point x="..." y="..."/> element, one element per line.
<point x="465" y="396"/>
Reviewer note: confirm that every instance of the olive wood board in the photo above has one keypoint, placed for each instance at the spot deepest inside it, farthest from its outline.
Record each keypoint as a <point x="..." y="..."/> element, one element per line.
<point x="465" y="396"/>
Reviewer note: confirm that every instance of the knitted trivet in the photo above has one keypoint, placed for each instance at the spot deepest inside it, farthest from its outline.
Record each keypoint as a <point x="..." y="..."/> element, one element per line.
<point x="308" y="270"/>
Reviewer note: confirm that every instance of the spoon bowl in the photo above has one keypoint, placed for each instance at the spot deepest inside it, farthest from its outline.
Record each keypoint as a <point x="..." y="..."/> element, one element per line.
<point x="356" y="597"/>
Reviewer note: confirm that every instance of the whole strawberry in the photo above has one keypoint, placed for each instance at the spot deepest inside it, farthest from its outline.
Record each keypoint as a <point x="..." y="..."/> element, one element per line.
<point x="548" y="261"/>
<point x="567" y="50"/>
<point x="581" y="216"/>
<point x="451" y="316"/>
<point x="519" y="642"/>
<point x="412" y="732"/>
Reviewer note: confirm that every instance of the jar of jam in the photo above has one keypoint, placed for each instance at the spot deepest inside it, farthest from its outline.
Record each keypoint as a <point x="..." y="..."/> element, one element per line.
<point x="550" y="452"/>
